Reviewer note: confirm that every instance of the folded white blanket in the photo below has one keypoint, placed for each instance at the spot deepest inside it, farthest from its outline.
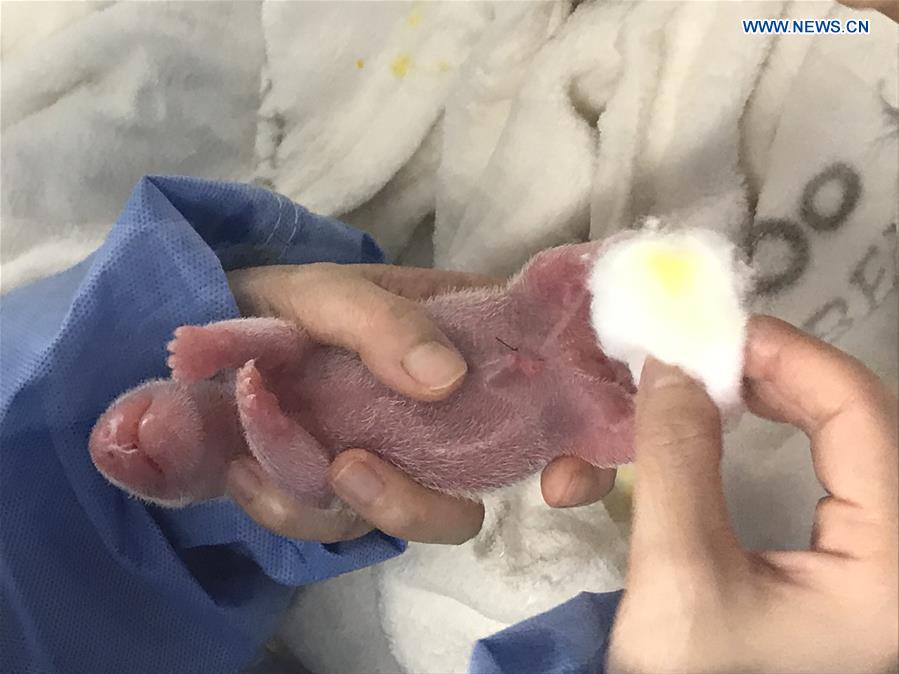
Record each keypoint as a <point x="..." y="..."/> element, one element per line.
<point x="507" y="127"/>
<point x="109" y="93"/>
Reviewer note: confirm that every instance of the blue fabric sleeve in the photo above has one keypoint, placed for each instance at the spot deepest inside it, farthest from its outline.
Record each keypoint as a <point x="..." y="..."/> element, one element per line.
<point x="94" y="581"/>
<point x="569" y="639"/>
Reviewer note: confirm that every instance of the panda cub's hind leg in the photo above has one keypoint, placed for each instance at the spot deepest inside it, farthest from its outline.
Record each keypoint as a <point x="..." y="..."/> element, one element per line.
<point x="285" y="449"/>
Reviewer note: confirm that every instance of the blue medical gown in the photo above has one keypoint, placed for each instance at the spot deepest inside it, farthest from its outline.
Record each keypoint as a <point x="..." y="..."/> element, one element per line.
<point x="570" y="639"/>
<point x="95" y="582"/>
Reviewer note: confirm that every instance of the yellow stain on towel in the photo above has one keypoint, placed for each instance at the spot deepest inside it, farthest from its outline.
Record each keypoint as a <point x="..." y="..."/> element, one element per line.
<point x="619" y="502"/>
<point x="400" y="65"/>
<point x="414" y="18"/>
<point x="360" y="63"/>
<point x="443" y="67"/>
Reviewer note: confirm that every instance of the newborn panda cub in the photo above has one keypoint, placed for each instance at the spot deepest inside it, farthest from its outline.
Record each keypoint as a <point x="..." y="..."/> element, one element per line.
<point x="539" y="383"/>
<point x="538" y="387"/>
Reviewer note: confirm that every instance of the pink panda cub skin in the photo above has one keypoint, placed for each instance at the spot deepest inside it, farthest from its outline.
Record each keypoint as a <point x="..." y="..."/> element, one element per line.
<point x="538" y="387"/>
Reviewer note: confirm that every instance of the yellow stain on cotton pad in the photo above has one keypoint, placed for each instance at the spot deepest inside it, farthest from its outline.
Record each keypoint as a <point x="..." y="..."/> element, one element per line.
<point x="360" y="63"/>
<point x="676" y="276"/>
<point x="400" y="65"/>
<point x="677" y="296"/>
<point x="675" y="270"/>
<point x="414" y="18"/>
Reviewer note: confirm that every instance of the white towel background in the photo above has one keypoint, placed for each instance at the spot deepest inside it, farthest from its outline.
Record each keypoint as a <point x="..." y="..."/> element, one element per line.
<point x="473" y="134"/>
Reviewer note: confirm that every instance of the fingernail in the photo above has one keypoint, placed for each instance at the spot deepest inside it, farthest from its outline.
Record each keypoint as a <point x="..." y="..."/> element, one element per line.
<point x="358" y="483"/>
<point x="657" y="374"/>
<point x="434" y="365"/>
<point x="244" y="480"/>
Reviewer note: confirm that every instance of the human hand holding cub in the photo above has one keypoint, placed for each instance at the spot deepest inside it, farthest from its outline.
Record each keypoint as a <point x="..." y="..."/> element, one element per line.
<point x="371" y="309"/>
<point x="363" y="367"/>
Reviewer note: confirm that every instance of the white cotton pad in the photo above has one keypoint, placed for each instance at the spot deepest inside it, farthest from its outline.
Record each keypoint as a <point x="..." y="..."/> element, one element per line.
<point x="679" y="297"/>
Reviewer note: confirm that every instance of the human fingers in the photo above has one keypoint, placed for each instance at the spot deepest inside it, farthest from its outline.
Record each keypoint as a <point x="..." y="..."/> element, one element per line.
<point x="336" y="305"/>
<point x="569" y="481"/>
<point x="679" y="507"/>
<point x="399" y="506"/>
<point x="888" y="8"/>
<point x="418" y="283"/>
<point x="276" y="511"/>
<point x="847" y="412"/>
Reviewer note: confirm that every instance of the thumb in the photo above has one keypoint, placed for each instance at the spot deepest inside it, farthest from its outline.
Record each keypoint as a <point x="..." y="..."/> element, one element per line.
<point x="393" y="336"/>
<point x="404" y="348"/>
<point x="680" y="511"/>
